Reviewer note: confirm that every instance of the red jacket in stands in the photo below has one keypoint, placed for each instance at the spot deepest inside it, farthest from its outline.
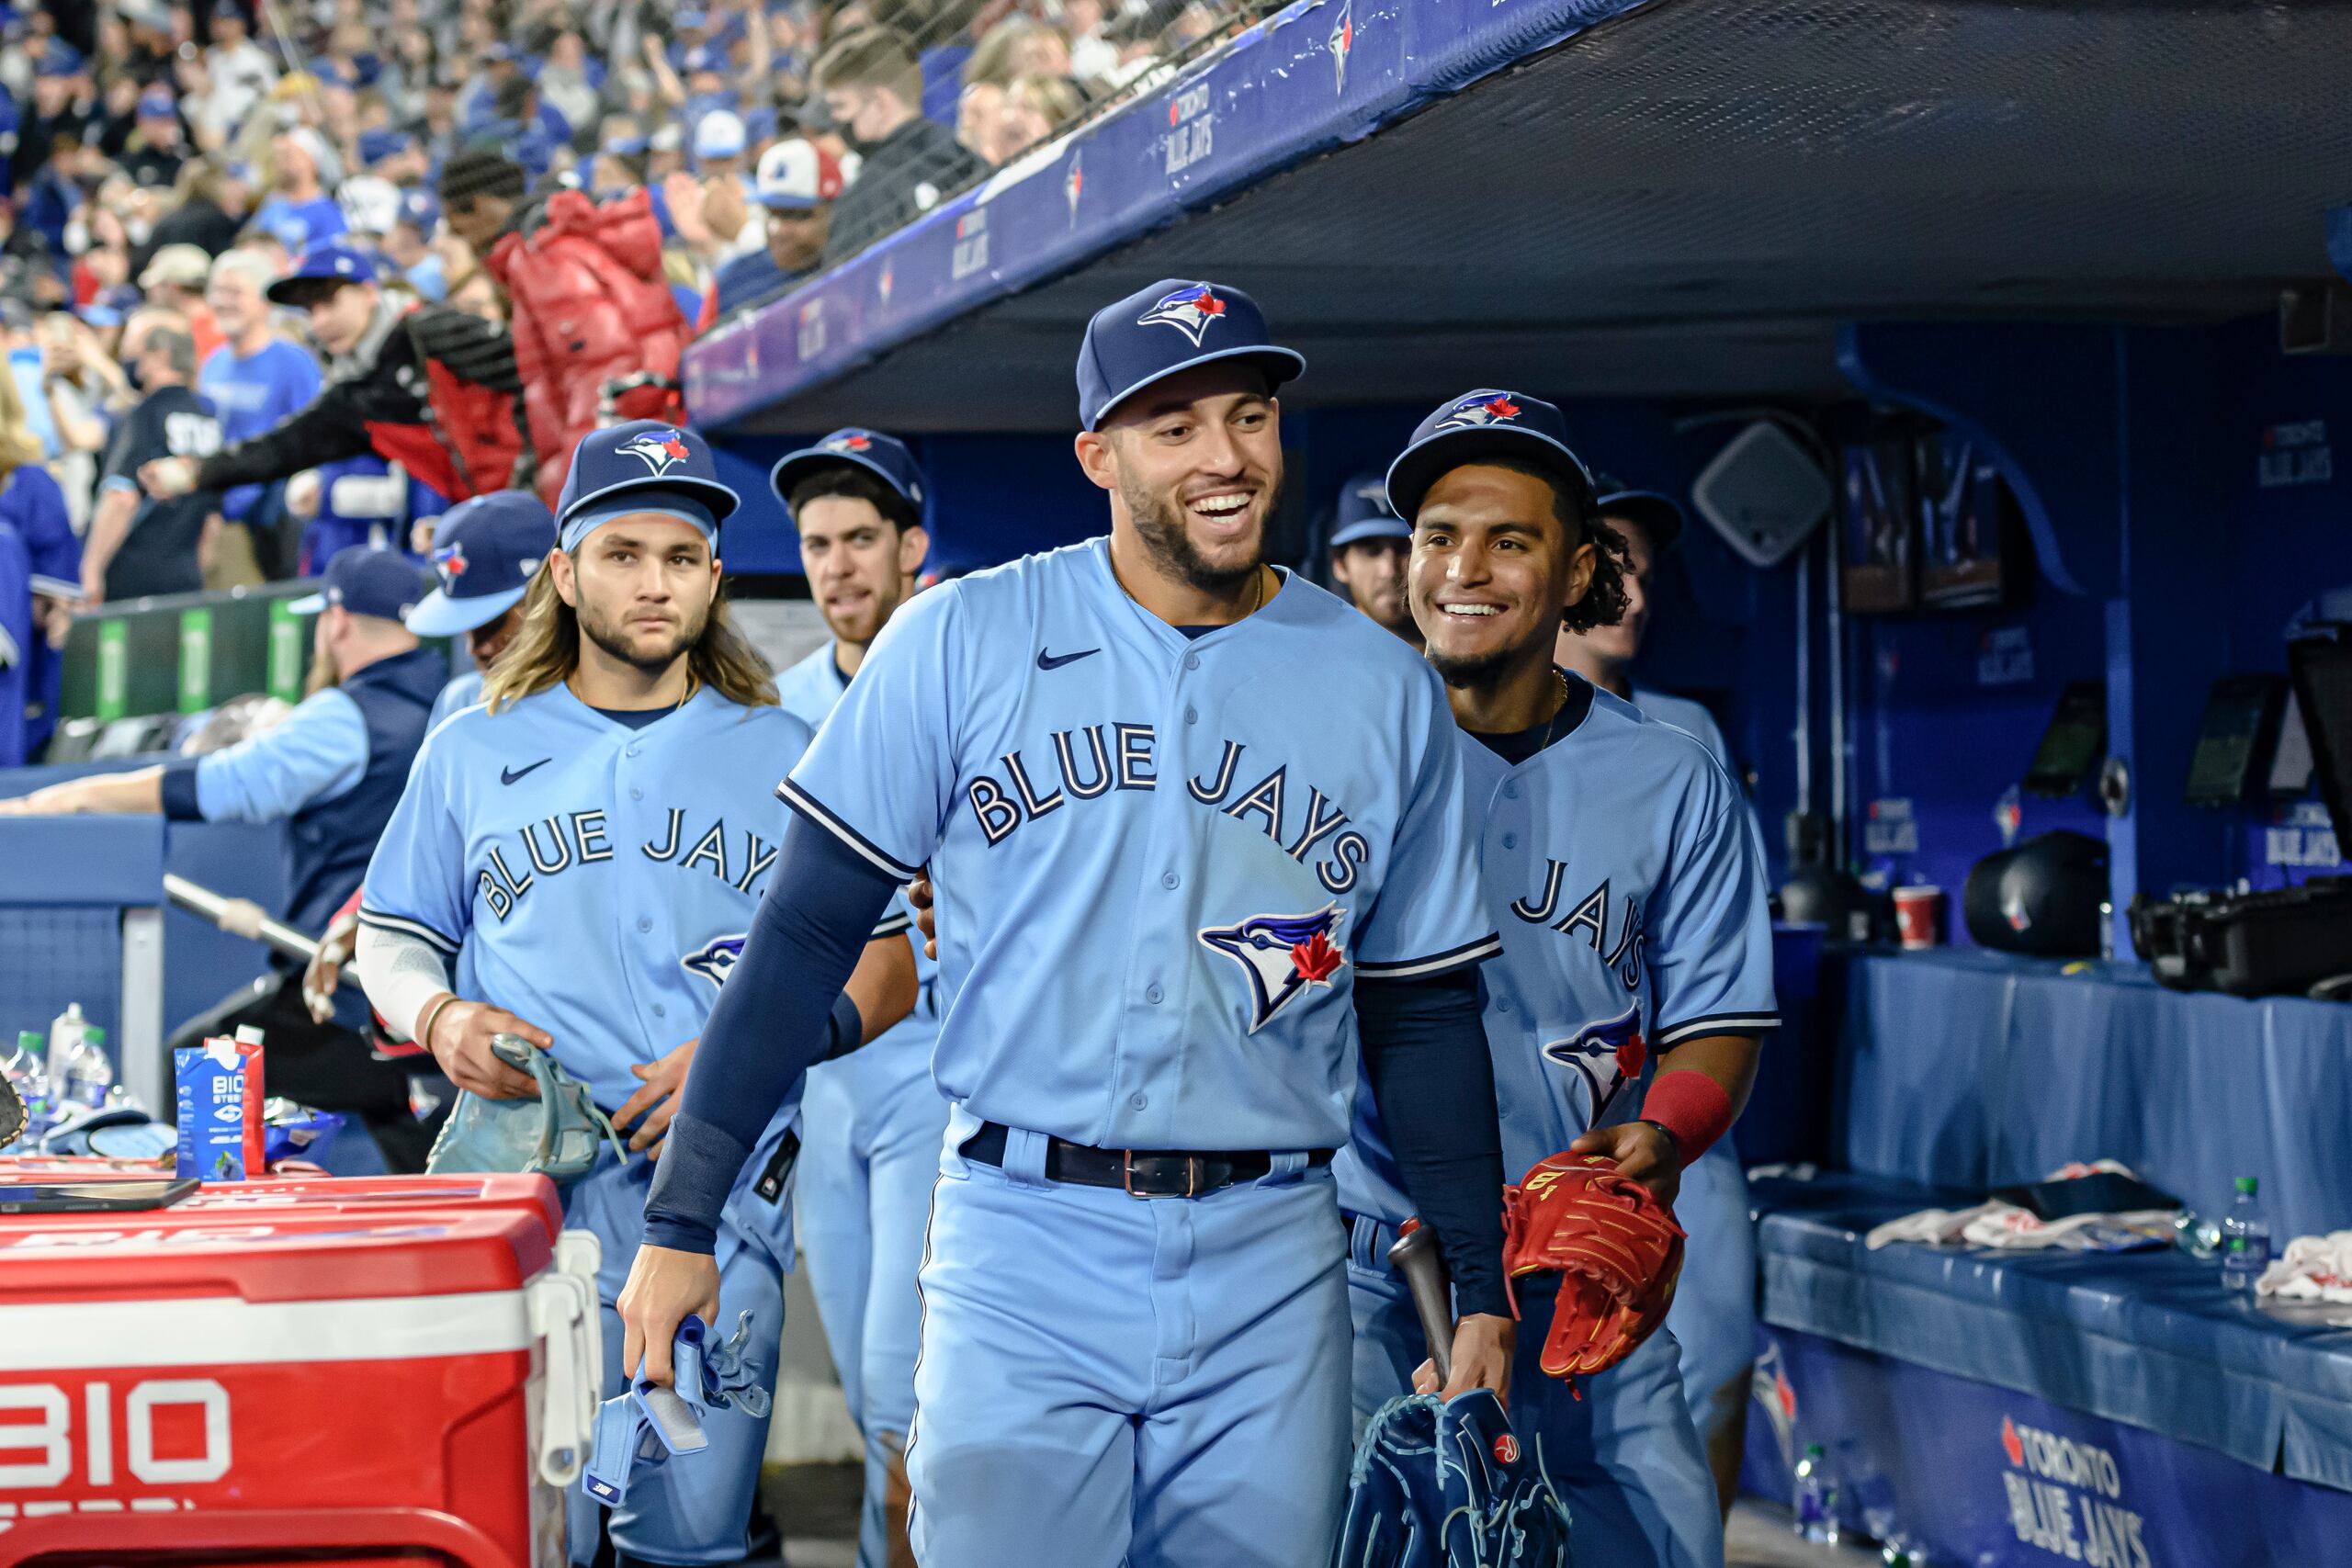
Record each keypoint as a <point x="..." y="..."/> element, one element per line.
<point x="590" y="308"/>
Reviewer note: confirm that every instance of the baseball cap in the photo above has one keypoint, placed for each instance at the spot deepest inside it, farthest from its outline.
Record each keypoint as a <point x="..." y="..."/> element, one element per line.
<point x="719" y="134"/>
<point x="1364" y="514"/>
<point x="383" y="142"/>
<point x="1657" y="513"/>
<point x="885" y="457"/>
<point x="484" y="551"/>
<point x="419" y="207"/>
<point x="689" y="19"/>
<point x="625" y="147"/>
<point x="702" y="57"/>
<point x="367" y="582"/>
<point x="333" y="261"/>
<point x="59" y="59"/>
<point x="795" y="175"/>
<point x="1488" y="422"/>
<point x="157" y="103"/>
<point x="1170" y="327"/>
<point x="643" y="466"/>
<point x="187" y="265"/>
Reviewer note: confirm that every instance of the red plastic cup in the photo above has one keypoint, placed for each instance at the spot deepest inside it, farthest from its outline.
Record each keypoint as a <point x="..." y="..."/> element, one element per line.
<point x="1920" y="916"/>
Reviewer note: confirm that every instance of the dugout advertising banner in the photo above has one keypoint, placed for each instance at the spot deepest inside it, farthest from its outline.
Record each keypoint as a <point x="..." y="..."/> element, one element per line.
<point x="1978" y="1475"/>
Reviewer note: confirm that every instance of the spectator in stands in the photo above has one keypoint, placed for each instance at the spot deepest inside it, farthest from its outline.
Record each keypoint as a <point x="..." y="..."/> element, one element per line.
<point x="64" y="108"/>
<point x="1035" y="107"/>
<point x="568" y="83"/>
<point x="333" y="772"/>
<point x="431" y="387"/>
<point x="32" y="510"/>
<point x="253" y="380"/>
<point x="872" y="87"/>
<point x="298" y="211"/>
<point x="408" y="245"/>
<point x="799" y="182"/>
<point x="138" y="544"/>
<point x="475" y="294"/>
<point x="738" y="226"/>
<point x="79" y="381"/>
<point x="175" y="280"/>
<point x="241" y="72"/>
<point x="979" y="119"/>
<point x="212" y="201"/>
<point x="1018" y="46"/>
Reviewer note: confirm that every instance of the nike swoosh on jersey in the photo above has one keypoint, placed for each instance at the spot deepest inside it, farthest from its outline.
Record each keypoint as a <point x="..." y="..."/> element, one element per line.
<point x="1056" y="660"/>
<point x="508" y="776"/>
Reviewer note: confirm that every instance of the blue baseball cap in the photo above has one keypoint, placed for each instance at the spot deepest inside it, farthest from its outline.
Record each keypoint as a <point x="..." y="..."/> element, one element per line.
<point x="1364" y="514"/>
<point x="1657" y="513"/>
<point x="335" y="72"/>
<point x="1170" y="327"/>
<point x="689" y="19"/>
<point x="643" y="466"/>
<point x="502" y="54"/>
<point x="625" y="147"/>
<point x="157" y="103"/>
<point x="885" y="457"/>
<point x="1488" y="422"/>
<point x="59" y="59"/>
<point x="367" y="582"/>
<point x="335" y="261"/>
<point x="374" y="146"/>
<point x="422" y="208"/>
<point x="484" y="551"/>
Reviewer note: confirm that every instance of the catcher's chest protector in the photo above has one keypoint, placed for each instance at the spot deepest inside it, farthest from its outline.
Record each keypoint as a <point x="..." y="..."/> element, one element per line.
<point x="1440" y="1483"/>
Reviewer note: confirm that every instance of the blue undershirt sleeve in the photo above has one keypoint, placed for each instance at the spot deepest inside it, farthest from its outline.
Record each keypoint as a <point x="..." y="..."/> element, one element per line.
<point x="1425" y="1051"/>
<point x="774" y="1019"/>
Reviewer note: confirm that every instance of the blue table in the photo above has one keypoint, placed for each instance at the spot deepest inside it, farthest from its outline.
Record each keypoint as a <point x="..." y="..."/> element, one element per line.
<point x="1975" y="1069"/>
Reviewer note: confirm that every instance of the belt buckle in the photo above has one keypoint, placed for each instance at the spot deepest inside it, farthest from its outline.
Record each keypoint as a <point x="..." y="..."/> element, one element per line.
<point x="1191" y="1175"/>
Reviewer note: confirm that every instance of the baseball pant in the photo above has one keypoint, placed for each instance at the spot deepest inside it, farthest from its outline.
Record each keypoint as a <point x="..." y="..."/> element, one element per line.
<point x="1624" y="1458"/>
<point x="1107" y="1379"/>
<point x="692" y="1508"/>
<point x="873" y="1124"/>
<point x="1713" y="1316"/>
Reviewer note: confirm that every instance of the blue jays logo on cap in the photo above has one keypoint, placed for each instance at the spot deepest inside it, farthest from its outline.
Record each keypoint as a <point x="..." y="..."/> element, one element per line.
<point x="1191" y="311"/>
<point x="1480" y="409"/>
<point x="661" y="450"/>
<point x="1282" y="955"/>
<point x="715" y="960"/>
<point x="449" y="565"/>
<point x="1606" y="1055"/>
<point x="852" y="441"/>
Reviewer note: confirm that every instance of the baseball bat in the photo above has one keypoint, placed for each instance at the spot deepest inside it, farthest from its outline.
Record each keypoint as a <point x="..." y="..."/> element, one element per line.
<point x="1416" y="1256"/>
<point x="209" y="905"/>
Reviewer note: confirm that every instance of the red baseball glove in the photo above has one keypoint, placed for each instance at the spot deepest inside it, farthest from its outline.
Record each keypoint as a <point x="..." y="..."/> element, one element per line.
<point x="1615" y="1245"/>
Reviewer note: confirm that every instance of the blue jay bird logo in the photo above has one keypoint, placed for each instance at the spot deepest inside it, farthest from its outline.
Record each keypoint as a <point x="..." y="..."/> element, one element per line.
<point x="1282" y="955"/>
<point x="660" y="450"/>
<point x="715" y="960"/>
<point x="1189" y="310"/>
<point x="1605" y="1055"/>
<point x="1480" y="409"/>
<point x="449" y="565"/>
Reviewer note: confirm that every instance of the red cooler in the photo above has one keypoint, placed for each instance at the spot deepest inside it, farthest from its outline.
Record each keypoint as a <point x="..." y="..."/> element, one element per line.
<point x="394" y="1371"/>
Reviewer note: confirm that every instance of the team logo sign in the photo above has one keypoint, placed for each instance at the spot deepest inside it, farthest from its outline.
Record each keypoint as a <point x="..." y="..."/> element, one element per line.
<point x="1282" y="955"/>
<point x="449" y="565"/>
<point x="1191" y="311"/>
<point x="1475" y="411"/>
<point x="1343" y="42"/>
<point x="1605" y="1055"/>
<point x="660" y="450"/>
<point x="715" y="960"/>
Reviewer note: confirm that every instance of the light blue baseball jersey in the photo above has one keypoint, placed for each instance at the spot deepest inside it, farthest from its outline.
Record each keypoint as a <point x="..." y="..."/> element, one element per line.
<point x="1162" y="861"/>
<point x="1631" y="898"/>
<point x="316" y="752"/>
<point x="463" y="691"/>
<point x="593" y="879"/>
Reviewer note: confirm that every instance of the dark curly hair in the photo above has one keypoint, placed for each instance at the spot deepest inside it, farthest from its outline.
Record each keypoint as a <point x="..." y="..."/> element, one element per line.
<point x="1603" y="604"/>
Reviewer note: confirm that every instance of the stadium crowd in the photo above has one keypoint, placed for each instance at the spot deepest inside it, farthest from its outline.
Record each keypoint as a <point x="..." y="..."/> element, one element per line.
<point x="271" y="270"/>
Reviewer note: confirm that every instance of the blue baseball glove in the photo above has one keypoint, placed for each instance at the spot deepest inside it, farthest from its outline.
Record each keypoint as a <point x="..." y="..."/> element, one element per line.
<point x="1440" y="1483"/>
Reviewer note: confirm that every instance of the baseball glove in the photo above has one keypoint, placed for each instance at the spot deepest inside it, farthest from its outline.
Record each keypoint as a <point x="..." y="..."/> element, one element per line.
<point x="1444" y="1484"/>
<point x="1616" y="1248"/>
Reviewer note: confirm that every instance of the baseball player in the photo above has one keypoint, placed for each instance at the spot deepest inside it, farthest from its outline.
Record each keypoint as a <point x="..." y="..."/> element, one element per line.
<point x="1713" y="1316"/>
<point x="1369" y="547"/>
<point x="484" y="553"/>
<point x="589" y="844"/>
<point x="872" y="1122"/>
<point x="1172" y="894"/>
<point x="1636" y="965"/>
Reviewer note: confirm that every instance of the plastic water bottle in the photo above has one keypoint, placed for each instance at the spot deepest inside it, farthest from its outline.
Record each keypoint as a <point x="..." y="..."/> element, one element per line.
<point x="65" y="1032"/>
<point x="89" y="1075"/>
<point x="2246" y="1239"/>
<point x="28" y="1074"/>
<point x="1817" y="1497"/>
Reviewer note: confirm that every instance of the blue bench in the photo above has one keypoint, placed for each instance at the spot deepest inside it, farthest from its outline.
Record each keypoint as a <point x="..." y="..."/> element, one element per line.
<point x="2029" y="1407"/>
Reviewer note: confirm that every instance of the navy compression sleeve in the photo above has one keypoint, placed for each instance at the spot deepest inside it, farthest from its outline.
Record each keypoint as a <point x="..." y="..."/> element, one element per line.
<point x="775" y="1019"/>
<point x="1425" y="1051"/>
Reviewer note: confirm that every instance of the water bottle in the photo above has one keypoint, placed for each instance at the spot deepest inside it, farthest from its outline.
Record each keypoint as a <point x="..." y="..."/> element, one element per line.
<point x="28" y="1074"/>
<point x="89" y="1075"/>
<point x="1817" y="1497"/>
<point x="2246" y="1239"/>
<point x="65" y="1032"/>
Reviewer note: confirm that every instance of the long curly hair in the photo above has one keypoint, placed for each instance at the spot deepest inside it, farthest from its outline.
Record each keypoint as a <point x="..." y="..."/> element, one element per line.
<point x="1605" y="601"/>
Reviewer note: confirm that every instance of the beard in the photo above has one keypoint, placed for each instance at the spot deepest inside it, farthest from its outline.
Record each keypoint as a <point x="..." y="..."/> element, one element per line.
<point x="1159" y="522"/>
<point x="652" y="661"/>
<point x="1475" y="673"/>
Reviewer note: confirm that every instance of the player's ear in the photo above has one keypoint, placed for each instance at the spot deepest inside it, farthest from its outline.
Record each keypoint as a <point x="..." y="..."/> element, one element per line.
<point x="563" y="569"/>
<point x="914" y="543"/>
<point x="1094" y="457"/>
<point x="1581" y="563"/>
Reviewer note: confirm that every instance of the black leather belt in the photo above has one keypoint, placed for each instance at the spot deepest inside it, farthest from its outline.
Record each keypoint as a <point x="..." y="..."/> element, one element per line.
<point x="1139" y="1173"/>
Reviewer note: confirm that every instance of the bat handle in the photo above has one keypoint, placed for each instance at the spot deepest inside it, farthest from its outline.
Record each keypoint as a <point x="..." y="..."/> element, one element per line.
<point x="1415" y="1256"/>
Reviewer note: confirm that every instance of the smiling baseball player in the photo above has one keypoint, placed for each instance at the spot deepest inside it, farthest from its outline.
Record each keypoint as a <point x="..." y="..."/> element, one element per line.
<point x="1636" y="967"/>
<point x="1172" y="894"/>
<point x="590" y="846"/>
<point x="872" y="1122"/>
